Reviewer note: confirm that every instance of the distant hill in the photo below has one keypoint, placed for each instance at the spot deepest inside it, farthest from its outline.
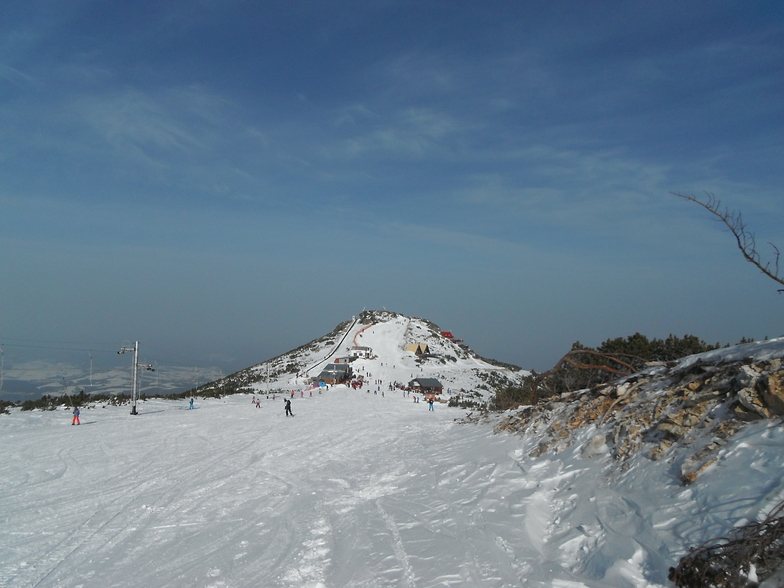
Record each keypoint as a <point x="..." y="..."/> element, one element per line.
<point x="388" y="335"/>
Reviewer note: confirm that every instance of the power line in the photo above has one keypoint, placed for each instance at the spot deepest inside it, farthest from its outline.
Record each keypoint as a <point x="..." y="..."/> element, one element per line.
<point x="106" y="370"/>
<point x="96" y="350"/>
<point x="94" y="343"/>
<point x="58" y="348"/>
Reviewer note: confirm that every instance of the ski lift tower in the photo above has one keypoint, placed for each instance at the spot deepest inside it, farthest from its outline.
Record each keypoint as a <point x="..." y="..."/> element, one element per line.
<point x="136" y="366"/>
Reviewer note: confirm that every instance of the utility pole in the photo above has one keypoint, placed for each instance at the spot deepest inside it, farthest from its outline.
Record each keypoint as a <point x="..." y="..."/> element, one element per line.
<point x="135" y="379"/>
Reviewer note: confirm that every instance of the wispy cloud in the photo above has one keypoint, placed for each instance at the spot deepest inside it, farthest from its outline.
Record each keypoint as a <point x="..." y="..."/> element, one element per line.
<point x="14" y="76"/>
<point x="414" y="133"/>
<point x="137" y="120"/>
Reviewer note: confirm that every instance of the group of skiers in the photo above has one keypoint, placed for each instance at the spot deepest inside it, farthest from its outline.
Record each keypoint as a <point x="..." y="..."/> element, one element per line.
<point x="257" y="403"/>
<point x="286" y="402"/>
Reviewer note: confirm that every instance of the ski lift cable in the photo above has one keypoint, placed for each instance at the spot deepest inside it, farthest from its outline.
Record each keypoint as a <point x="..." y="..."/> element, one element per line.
<point x="56" y="348"/>
<point x="72" y="343"/>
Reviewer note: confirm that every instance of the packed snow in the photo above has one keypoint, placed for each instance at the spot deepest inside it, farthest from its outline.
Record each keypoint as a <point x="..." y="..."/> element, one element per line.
<point x="356" y="490"/>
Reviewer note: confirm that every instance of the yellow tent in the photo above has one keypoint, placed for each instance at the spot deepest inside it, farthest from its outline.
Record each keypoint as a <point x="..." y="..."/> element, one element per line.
<point x="418" y="348"/>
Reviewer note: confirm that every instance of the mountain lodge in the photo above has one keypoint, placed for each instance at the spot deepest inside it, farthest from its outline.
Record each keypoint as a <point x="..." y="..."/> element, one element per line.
<point x="426" y="385"/>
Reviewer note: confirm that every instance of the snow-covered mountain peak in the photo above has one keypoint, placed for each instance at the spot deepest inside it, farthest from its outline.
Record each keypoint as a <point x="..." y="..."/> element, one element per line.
<point x="397" y="349"/>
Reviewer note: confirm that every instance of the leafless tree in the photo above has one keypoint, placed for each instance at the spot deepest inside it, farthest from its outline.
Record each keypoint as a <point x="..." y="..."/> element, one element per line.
<point x="744" y="238"/>
<point x="623" y="366"/>
<point x="725" y="562"/>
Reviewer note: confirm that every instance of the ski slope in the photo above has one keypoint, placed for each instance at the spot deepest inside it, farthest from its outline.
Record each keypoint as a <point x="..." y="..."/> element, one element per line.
<point x="356" y="490"/>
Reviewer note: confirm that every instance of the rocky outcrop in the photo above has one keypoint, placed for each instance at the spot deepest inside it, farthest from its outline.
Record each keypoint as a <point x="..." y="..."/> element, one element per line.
<point x="694" y="405"/>
<point x="772" y="392"/>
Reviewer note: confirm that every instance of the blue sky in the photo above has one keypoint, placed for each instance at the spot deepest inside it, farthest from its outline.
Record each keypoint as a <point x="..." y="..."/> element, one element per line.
<point x="225" y="181"/>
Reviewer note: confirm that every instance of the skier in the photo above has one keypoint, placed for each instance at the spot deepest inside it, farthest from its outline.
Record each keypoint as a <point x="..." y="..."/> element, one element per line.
<point x="288" y="408"/>
<point x="76" y="414"/>
<point x="431" y="405"/>
<point x="190" y="407"/>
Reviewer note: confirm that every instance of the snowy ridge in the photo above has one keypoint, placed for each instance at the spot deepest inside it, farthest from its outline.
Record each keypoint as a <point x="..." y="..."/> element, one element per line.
<point x="697" y="403"/>
<point x="687" y="453"/>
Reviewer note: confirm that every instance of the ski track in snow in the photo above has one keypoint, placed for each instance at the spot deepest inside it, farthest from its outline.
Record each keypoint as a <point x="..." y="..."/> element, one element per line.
<point x="355" y="491"/>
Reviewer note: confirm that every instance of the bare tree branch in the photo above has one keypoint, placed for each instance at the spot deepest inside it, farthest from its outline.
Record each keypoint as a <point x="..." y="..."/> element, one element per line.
<point x="726" y="561"/>
<point x="743" y="237"/>
<point x="625" y="368"/>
